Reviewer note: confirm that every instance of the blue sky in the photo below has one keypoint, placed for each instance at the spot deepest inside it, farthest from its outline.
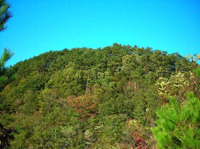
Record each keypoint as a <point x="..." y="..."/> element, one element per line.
<point x="38" y="26"/>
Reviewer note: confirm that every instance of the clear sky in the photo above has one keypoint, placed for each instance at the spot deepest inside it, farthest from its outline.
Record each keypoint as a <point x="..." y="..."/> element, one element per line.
<point x="38" y="26"/>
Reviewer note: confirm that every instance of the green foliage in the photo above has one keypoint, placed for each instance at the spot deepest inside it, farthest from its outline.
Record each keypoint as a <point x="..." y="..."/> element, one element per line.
<point x="5" y="57"/>
<point x="89" y="98"/>
<point x="178" y="125"/>
<point x="4" y="14"/>
<point x="68" y="81"/>
<point x="197" y="71"/>
<point x="5" y="75"/>
<point x="176" y="85"/>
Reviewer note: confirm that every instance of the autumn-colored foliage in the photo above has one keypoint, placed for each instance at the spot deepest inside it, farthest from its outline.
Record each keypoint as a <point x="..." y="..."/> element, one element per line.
<point x="139" y="142"/>
<point x="85" y="105"/>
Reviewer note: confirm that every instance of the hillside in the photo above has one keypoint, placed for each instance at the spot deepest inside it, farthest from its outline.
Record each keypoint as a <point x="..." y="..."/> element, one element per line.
<point x="91" y="98"/>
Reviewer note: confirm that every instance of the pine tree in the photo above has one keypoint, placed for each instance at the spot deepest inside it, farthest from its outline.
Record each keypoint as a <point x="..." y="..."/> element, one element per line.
<point x="178" y="126"/>
<point x="5" y="57"/>
<point x="4" y="14"/>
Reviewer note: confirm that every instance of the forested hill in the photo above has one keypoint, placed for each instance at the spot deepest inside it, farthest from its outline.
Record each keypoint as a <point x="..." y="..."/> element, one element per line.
<point x="90" y="98"/>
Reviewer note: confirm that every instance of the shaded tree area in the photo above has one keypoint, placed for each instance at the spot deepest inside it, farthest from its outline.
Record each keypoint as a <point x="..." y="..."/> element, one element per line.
<point x="92" y="98"/>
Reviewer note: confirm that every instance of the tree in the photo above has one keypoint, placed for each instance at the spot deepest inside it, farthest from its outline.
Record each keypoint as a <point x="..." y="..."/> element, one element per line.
<point x="88" y="98"/>
<point x="4" y="14"/>
<point x="3" y="76"/>
<point x="5" y="57"/>
<point x="69" y="81"/>
<point x="178" y="126"/>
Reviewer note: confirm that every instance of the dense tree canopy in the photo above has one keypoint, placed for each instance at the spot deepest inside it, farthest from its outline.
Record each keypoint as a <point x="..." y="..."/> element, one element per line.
<point x="91" y="98"/>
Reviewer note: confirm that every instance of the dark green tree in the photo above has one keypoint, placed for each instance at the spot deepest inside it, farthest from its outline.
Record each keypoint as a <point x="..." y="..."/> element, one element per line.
<point x="4" y="14"/>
